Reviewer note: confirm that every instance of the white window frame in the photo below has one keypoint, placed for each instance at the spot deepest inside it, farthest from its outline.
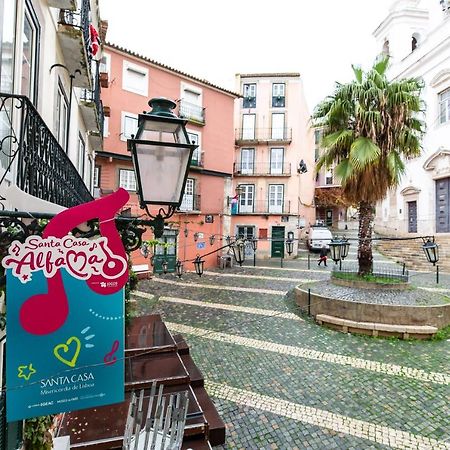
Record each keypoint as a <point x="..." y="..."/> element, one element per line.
<point x="141" y="70"/>
<point x="187" y="203"/>
<point x="198" y="151"/>
<point x="248" y="132"/>
<point x="247" y="198"/>
<point x="274" y="190"/>
<point x="107" y="64"/>
<point x="276" y="166"/>
<point x="125" y="114"/>
<point x="247" y="160"/>
<point x="81" y="155"/>
<point x="105" y="126"/>
<point x="444" y="118"/>
<point x="195" y="89"/>
<point x="61" y="119"/>
<point x="278" y="132"/>
<point x="96" y="180"/>
<point x="126" y="182"/>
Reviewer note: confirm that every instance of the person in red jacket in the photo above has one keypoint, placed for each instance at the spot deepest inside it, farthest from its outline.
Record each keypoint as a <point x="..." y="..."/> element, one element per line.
<point x="323" y="255"/>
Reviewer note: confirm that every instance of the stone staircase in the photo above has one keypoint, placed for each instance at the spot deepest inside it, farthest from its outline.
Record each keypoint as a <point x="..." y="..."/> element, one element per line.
<point x="411" y="253"/>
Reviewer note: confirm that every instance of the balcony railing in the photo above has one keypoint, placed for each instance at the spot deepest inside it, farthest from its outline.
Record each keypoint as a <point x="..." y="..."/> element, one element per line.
<point x="254" y="135"/>
<point x="190" y="203"/>
<point x="192" y="112"/>
<point x="258" y="169"/>
<point x="77" y="20"/>
<point x="43" y="168"/>
<point x="261" y="207"/>
<point x="93" y="96"/>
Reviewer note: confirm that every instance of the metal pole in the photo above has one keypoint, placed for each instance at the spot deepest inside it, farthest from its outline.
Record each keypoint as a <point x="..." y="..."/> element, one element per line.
<point x="340" y="265"/>
<point x="403" y="272"/>
<point x="309" y="261"/>
<point x="281" y="261"/>
<point x="309" y="302"/>
<point x="437" y="274"/>
<point x="254" y="258"/>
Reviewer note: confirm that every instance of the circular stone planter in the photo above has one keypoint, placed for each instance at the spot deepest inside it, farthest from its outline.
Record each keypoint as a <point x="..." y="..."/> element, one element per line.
<point x="371" y="285"/>
<point x="376" y="319"/>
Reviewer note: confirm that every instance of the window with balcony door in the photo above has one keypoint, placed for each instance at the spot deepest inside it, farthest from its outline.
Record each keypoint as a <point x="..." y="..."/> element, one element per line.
<point x="191" y="104"/>
<point x="277" y="126"/>
<point x="249" y="93"/>
<point x="135" y="78"/>
<point x="276" y="198"/>
<point x="127" y="179"/>
<point x="276" y="160"/>
<point x="97" y="171"/>
<point x="81" y="155"/>
<point x="30" y="53"/>
<point x="105" y="63"/>
<point x="247" y="161"/>
<point x="246" y="198"/>
<point x="187" y="204"/>
<point x="61" y="116"/>
<point x="194" y="138"/>
<point x="278" y="95"/>
<point x="248" y="126"/>
<point x="129" y="125"/>
<point x="444" y="106"/>
<point x="329" y="177"/>
<point x="7" y="36"/>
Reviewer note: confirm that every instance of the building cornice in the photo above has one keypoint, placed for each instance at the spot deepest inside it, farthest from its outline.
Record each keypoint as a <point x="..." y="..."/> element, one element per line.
<point x="417" y="14"/>
<point x="166" y="68"/>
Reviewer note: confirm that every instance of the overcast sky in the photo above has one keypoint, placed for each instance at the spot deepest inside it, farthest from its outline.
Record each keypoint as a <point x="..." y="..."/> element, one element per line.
<point x="214" y="40"/>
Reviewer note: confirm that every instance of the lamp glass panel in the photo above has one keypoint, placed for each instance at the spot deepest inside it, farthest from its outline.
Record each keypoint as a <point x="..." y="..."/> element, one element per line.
<point x="161" y="131"/>
<point x="162" y="170"/>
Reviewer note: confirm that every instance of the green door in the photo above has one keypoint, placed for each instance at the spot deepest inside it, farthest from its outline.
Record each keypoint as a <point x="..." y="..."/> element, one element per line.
<point x="166" y="252"/>
<point x="277" y="242"/>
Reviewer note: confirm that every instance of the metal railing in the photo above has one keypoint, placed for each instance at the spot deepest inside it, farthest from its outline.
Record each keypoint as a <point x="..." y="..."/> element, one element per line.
<point x="79" y="19"/>
<point x="191" y="111"/>
<point x="190" y="203"/>
<point x="94" y="96"/>
<point x="379" y="270"/>
<point x="263" y="134"/>
<point x="264" y="168"/>
<point x="261" y="207"/>
<point x="43" y="168"/>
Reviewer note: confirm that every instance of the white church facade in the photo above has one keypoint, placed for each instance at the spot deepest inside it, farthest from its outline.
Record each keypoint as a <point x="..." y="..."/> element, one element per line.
<point x="416" y="34"/>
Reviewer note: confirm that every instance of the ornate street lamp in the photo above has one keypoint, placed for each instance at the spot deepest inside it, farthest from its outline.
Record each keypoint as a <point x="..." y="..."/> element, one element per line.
<point x="254" y="242"/>
<point x="431" y="250"/>
<point x="179" y="268"/>
<point x="165" y="266"/>
<point x="195" y="237"/>
<point x="161" y="154"/>
<point x="228" y="240"/>
<point x="198" y="264"/>
<point x="345" y="246"/>
<point x="212" y="238"/>
<point x="289" y="246"/>
<point x="336" y="250"/>
<point x="239" y="251"/>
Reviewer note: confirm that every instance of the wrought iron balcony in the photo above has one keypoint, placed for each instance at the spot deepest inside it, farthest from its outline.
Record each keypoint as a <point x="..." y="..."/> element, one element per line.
<point x="43" y="168"/>
<point x="261" y="207"/>
<point x="190" y="203"/>
<point x="245" y="169"/>
<point x="257" y="135"/>
<point x="74" y="34"/>
<point x="196" y="160"/>
<point x="191" y="112"/>
<point x="92" y="110"/>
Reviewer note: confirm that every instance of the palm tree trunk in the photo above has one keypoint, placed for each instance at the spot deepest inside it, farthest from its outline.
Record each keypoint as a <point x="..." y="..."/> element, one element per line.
<point x="365" y="258"/>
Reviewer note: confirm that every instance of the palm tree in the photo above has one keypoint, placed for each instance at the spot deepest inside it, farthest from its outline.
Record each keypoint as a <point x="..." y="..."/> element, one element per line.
<point x="370" y="127"/>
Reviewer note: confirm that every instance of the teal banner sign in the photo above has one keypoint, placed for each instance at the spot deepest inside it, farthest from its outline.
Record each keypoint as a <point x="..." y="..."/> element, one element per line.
<point x="65" y="315"/>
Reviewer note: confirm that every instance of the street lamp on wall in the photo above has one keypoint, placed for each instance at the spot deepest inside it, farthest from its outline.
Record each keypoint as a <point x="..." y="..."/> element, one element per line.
<point x="161" y="154"/>
<point x="239" y="251"/>
<point x="179" y="268"/>
<point x="254" y="242"/>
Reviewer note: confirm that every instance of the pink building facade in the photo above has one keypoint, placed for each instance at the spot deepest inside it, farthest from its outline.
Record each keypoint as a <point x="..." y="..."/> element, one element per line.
<point x="198" y="227"/>
<point x="273" y="172"/>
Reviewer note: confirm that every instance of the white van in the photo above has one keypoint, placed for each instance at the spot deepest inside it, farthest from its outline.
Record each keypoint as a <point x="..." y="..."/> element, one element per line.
<point x="317" y="237"/>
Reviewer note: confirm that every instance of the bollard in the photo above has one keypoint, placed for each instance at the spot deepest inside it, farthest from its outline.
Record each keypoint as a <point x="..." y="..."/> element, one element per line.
<point x="309" y="261"/>
<point x="309" y="302"/>
<point x="281" y="262"/>
<point x="404" y="265"/>
<point x="437" y="274"/>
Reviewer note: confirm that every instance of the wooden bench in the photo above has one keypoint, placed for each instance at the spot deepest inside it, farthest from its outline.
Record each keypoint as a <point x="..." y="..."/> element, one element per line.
<point x="377" y="329"/>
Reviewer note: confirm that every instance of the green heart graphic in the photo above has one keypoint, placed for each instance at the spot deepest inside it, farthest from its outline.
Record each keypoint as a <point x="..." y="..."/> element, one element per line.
<point x="65" y="348"/>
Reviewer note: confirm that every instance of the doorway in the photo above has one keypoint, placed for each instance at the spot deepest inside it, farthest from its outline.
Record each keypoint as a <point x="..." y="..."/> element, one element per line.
<point x="277" y="250"/>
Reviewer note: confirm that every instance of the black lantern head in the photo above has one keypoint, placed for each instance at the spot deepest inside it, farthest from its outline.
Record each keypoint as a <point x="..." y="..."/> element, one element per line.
<point x="335" y="250"/>
<point x="212" y="238"/>
<point x="198" y="264"/>
<point x="239" y="251"/>
<point x="161" y="154"/>
<point x="431" y="250"/>
<point x="254" y="242"/>
<point x="186" y="232"/>
<point x="289" y="246"/>
<point x="179" y="268"/>
<point x="195" y="237"/>
<point x="302" y="167"/>
<point x="345" y="246"/>
<point x="228" y="240"/>
<point x="165" y="266"/>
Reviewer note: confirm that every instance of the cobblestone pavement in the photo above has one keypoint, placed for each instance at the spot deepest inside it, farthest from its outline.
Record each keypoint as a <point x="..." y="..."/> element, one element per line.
<point x="280" y="381"/>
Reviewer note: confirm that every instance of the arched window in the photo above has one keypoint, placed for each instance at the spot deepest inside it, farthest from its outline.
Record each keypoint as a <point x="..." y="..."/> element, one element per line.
<point x="386" y="47"/>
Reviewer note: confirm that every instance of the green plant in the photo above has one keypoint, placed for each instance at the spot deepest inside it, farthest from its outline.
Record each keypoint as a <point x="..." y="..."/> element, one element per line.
<point x="442" y="335"/>
<point x="370" y="127"/>
<point x="369" y="278"/>
<point x="36" y="433"/>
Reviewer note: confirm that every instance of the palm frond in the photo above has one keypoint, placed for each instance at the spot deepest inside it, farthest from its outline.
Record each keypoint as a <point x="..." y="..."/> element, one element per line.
<point x="363" y="152"/>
